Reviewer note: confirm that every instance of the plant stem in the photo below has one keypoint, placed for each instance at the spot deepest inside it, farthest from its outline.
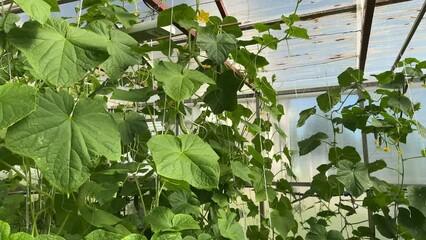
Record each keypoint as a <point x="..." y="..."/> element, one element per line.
<point x="7" y="14"/>
<point x="140" y="193"/>
<point x="24" y="177"/>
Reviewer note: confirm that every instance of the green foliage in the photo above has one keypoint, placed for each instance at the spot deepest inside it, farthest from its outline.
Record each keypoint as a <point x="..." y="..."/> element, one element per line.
<point x="229" y="227"/>
<point x="184" y="202"/>
<point x="304" y="115"/>
<point x="217" y="46"/>
<point x="350" y="76"/>
<point x="102" y="234"/>
<point x="16" y="102"/>
<point x="163" y="219"/>
<point x="97" y="174"/>
<point x="282" y="218"/>
<point x="174" y="155"/>
<point x="179" y="83"/>
<point x="4" y="230"/>
<point x="183" y="14"/>
<point x="328" y="100"/>
<point x="58" y="53"/>
<point x="119" y="46"/>
<point x="20" y="236"/>
<point x="68" y="139"/>
<point x="133" y="95"/>
<point x="223" y="97"/>
<point x="311" y="143"/>
<point x="354" y="177"/>
<point x="38" y="10"/>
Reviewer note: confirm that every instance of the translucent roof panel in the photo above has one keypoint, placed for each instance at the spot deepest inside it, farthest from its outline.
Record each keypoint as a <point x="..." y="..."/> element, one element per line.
<point x="417" y="46"/>
<point x="391" y="25"/>
<point x="252" y="11"/>
<point x="316" y="62"/>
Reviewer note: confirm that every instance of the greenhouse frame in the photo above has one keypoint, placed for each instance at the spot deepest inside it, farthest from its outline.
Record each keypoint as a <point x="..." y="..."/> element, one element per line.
<point x="212" y="119"/>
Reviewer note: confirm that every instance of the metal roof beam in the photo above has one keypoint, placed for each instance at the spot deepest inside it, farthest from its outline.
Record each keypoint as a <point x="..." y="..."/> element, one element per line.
<point x="410" y="35"/>
<point x="365" y="32"/>
<point x="222" y="9"/>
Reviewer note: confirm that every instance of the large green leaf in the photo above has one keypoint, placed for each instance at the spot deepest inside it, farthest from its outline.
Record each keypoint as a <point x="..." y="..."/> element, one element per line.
<point x="60" y="54"/>
<point x="184" y="202"/>
<point x="241" y="170"/>
<point x="16" y="102"/>
<point x="66" y="138"/>
<point x="102" y="234"/>
<point x="328" y="100"/>
<point x="229" y="227"/>
<point x="167" y="236"/>
<point x="133" y="95"/>
<point x="134" y="237"/>
<point x="163" y="219"/>
<point x="8" y="23"/>
<point x="417" y="198"/>
<point x="282" y="221"/>
<point x="180" y="14"/>
<point x="413" y="220"/>
<point x="317" y="232"/>
<point x="98" y="217"/>
<point x="130" y="125"/>
<point x="224" y="96"/>
<point x="179" y="83"/>
<point x="282" y="218"/>
<point x="119" y="46"/>
<point x="4" y="230"/>
<point x="403" y="103"/>
<point x="386" y="225"/>
<point x="48" y="237"/>
<point x="21" y="236"/>
<point x="297" y="32"/>
<point x="218" y="47"/>
<point x="187" y="158"/>
<point x="311" y="143"/>
<point x="304" y="115"/>
<point x="38" y="10"/>
<point x="354" y="177"/>
<point x="249" y="60"/>
<point x="350" y="76"/>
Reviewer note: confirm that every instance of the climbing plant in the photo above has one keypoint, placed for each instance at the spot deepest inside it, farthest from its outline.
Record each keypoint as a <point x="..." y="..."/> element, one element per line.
<point x="100" y="140"/>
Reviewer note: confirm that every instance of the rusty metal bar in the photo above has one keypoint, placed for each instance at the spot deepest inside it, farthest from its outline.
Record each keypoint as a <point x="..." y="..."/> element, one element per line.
<point x="222" y="8"/>
<point x="366" y="30"/>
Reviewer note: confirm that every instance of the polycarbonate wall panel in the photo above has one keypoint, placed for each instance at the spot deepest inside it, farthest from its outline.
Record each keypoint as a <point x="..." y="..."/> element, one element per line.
<point x="252" y="11"/>
<point x="391" y="25"/>
<point x="415" y="168"/>
<point x="305" y="166"/>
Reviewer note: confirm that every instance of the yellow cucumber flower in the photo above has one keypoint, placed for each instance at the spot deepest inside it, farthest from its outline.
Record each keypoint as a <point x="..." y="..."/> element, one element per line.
<point x="203" y="16"/>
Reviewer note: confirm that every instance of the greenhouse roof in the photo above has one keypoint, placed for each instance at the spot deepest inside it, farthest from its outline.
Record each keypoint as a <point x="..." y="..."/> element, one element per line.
<point x="339" y="34"/>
